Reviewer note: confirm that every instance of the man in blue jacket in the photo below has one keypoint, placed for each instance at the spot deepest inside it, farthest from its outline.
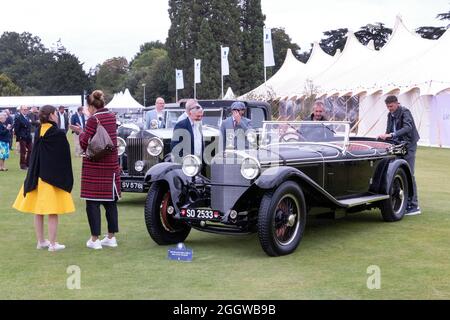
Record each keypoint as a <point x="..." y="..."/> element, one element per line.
<point x="78" y="120"/>
<point x="401" y="128"/>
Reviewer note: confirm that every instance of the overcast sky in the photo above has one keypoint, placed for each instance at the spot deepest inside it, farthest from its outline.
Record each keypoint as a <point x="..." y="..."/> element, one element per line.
<point x="96" y="30"/>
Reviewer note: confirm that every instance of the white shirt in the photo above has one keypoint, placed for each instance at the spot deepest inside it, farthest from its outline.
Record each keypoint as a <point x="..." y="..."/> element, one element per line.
<point x="62" y="123"/>
<point x="196" y="129"/>
<point x="81" y="120"/>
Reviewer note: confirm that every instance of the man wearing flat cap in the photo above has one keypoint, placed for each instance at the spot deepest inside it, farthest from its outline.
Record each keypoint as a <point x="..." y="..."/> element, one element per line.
<point x="234" y="128"/>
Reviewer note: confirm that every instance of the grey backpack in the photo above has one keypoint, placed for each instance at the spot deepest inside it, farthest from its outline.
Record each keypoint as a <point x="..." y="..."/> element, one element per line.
<point x="100" y="144"/>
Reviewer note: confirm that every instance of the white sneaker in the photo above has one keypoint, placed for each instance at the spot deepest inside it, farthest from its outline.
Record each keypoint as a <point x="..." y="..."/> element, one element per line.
<point x="56" y="247"/>
<point x="43" y="245"/>
<point x="94" y="244"/>
<point x="107" y="242"/>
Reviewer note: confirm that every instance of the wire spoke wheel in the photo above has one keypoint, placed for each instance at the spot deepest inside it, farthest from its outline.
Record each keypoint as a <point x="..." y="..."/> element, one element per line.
<point x="286" y="220"/>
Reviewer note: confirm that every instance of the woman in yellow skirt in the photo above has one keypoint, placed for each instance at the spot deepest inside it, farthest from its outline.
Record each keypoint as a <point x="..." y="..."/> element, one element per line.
<point x="49" y="181"/>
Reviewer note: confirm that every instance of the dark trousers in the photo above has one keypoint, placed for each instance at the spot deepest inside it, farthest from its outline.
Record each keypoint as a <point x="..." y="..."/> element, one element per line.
<point x="94" y="217"/>
<point x="411" y="159"/>
<point x="25" y="152"/>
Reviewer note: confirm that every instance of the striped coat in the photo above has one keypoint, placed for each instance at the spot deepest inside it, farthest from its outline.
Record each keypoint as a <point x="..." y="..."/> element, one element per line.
<point x="100" y="180"/>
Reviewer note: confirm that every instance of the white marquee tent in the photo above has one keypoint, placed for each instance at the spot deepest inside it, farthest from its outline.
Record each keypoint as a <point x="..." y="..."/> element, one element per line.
<point x="39" y="101"/>
<point x="123" y="100"/>
<point x="415" y="69"/>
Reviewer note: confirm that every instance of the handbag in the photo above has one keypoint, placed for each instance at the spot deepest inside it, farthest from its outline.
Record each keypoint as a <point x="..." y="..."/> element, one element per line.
<point x="100" y="144"/>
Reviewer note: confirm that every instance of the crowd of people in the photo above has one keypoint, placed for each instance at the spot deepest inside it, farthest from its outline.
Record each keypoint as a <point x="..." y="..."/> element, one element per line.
<point x="45" y="154"/>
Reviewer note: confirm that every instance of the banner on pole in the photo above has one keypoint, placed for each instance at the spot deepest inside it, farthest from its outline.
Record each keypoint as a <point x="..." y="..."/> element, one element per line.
<point x="225" y="65"/>
<point x="197" y="68"/>
<point x="179" y="79"/>
<point x="269" y="60"/>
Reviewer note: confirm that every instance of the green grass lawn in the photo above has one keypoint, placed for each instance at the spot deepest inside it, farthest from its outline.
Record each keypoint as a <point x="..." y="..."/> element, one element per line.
<point x="330" y="263"/>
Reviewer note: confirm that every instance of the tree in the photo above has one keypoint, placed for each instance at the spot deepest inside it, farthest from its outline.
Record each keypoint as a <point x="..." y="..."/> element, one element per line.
<point x="65" y="75"/>
<point x="111" y="75"/>
<point x="25" y="60"/>
<point x="226" y="29"/>
<point x="151" y="68"/>
<point x="146" y="47"/>
<point x="444" y="16"/>
<point x="209" y="52"/>
<point x="186" y="17"/>
<point x="432" y="33"/>
<point x="376" y="32"/>
<point x="252" y="63"/>
<point x="7" y="87"/>
<point x="335" y="39"/>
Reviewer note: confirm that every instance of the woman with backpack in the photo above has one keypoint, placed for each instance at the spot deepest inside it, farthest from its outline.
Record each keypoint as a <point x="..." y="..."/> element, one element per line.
<point x="100" y="178"/>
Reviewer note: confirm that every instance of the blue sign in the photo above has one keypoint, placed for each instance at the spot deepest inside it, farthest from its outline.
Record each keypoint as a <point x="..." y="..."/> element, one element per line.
<point x="180" y="253"/>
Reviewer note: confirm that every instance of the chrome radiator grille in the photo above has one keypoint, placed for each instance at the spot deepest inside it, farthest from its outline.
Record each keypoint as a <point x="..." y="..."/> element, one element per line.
<point x="137" y="150"/>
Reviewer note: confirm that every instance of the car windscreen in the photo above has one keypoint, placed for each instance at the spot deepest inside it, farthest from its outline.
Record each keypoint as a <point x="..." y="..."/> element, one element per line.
<point x="305" y="131"/>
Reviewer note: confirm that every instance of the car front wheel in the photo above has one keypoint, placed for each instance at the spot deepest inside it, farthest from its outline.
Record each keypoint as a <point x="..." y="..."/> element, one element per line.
<point x="161" y="225"/>
<point x="282" y="219"/>
<point x="394" y="208"/>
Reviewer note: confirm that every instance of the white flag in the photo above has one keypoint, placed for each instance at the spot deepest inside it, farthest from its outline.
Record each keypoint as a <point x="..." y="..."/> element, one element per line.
<point x="269" y="61"/>
<point x="197" y="67"/>
<point x="225" y="65"/>
<point x="179" y="79"/>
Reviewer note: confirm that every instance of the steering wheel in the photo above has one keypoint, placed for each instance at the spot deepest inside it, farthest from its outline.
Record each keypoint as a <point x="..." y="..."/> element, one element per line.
<point x="292" y="137"/>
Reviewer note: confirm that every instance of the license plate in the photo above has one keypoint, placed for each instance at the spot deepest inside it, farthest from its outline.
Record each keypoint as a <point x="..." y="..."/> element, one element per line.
<point x="132" y="186"/>
<point x="200" y="214"/>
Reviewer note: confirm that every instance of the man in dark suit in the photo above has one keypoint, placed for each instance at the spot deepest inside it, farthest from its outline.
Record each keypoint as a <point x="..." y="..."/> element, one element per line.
<point x="234" y="128"/>
<point x="63" y="119"/>
<point x="22" y="130"/>
<point x="401" y="128"/>
<point x="187" y="134"/>
<point x="78" y="120"/>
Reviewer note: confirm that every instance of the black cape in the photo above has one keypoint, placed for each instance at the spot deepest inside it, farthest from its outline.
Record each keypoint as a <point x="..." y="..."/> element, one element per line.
<point x="50" y="160"/>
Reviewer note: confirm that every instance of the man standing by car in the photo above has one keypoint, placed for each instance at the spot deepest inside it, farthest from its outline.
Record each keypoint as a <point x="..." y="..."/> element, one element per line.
<point x="234" y="128"/>
<point x="22" y="130"/>
<point x="401" y="128"/>
<point x="187" y="134"/>
<point x="157" y="115"/>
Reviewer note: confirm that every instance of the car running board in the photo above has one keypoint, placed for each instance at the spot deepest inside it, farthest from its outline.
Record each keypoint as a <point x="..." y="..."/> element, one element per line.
<point x="353" y="202"/>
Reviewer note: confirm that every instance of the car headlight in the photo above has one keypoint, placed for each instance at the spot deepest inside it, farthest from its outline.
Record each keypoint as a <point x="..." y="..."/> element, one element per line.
<point x="155" y="147"/>
<point x="251" y="137"/>
<point x="139" y="166"/>
<point x="250" y="168"/>
<point x="191" y="165"/>
<point x="121" y="146"/>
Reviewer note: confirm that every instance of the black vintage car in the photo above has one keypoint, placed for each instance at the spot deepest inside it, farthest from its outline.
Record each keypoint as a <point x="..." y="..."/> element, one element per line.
<point x="140" y="149"/>
<point x="300" y="169"/>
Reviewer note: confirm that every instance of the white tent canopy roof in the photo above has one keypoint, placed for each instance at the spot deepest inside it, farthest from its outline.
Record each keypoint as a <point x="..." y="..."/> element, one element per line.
<point x="407" y="61"/>
<point x="123" y="100"/>
<point x="39" y="101"/>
